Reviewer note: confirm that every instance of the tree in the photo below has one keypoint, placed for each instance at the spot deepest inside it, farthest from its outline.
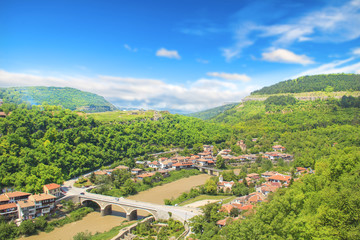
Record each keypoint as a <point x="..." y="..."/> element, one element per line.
<point x="234" y="212"/>
<point x="92" y="177"/>
<point x="220" y="162"/>
<point x="239" y="189"/>
<point x="27" y="228"/>
<point x="210" y="187"/>
<point x="82" y="236"/>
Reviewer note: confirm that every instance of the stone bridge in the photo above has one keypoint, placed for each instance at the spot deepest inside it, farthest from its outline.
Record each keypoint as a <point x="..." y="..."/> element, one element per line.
<point x="210" y="171"/>
<point x="131" y="206"/>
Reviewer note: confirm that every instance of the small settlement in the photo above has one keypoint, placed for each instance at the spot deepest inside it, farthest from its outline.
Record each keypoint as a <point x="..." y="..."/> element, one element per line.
<point x="203" y="159"/>
<point x="21" y="206"/>
<point x="245" y="204"/>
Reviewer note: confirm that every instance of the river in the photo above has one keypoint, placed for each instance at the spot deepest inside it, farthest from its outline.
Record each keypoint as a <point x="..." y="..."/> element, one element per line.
<point x="93" y="222"/>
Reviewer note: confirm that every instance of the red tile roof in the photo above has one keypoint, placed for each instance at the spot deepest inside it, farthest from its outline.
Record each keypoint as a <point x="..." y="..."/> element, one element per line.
<point x="280" y="178"/>
<point x="52" y="186"/>
<point x="4" y="198"/>
<point x="17" y="194"/>
<point x="41" y="197"/>
<point x="7" y="206"/>
<point x="226" y="208"/>
<point x="247" y="207"/>
<point x="221" y="222"/>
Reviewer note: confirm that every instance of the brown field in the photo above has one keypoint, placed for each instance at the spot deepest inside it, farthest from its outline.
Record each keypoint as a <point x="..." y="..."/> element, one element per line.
<point x="170" y="190"/>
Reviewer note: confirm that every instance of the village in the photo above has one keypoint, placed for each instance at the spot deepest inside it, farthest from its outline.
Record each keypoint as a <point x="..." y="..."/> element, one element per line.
<point x="263" y="184"/>
<point x="19" y="206"/>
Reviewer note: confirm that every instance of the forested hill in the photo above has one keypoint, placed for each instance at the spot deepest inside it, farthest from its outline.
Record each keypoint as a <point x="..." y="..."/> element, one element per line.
<point x="68" y="98"/>
<point x="327" y="83"/>
<point x="323" y="135"/>
<point x="209" y="113"/>
<point x="47" y="144"/>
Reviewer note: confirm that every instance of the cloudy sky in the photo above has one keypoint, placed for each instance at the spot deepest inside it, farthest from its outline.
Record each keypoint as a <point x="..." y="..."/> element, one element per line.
<point x="183" y="56"/>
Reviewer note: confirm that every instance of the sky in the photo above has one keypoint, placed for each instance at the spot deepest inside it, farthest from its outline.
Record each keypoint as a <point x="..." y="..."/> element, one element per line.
<point x="182" y="56"/>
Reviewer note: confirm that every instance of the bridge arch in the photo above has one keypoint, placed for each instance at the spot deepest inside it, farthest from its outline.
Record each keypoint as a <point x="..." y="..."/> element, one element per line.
<point x="86" y="202"/>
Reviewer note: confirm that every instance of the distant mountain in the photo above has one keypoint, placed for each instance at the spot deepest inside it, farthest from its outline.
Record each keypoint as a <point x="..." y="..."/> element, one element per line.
<point x="210" y="113"/>
<point x="69" y="98"/>
<point x="326" y="83"/>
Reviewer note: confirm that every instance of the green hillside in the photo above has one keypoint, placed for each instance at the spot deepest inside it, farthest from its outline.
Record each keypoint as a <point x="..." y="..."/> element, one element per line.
<point x="321" y="134"/>
<point x="209" y="113"/>
<point x="68" y="98"/>
<point x="325" y="82"/>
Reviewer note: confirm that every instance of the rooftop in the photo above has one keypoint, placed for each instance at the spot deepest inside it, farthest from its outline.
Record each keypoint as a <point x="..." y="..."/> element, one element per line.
<point x="52" y="186"/>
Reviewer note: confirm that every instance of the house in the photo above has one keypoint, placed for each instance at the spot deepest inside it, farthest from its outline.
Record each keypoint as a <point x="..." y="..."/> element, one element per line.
<point x="100" y="173"/>
<point x="279" y="148"/>
<point x="15" y="196"/>
<point x="268" y="187"/>
<point x="283" y="179"/>
<point x="224" y="186"/>
<point x="242" y="145"/>
<point x="136" y="171"/>
<point x="53" y="189"/>
<point x="255" y="197"/>
<point x="122" y="167"/>
<point x="145" y="175"/>
<point x="166" y="164"/>
<point x="165" y="173"/>
<point x="246" y="207"/>
<point x="208" y="148"/>
<point x="154" y="164"/>
<point x="182" y="165"/>
<point x="225" y="152"/>
<point x="9" y="211"/>
<point x="26" y="209"/>
<point x="222" y="222"/>
<point x="4" y="199"/>
<point x="226" y="208"/>
<point x="44" y="203"/>
<point x="300" y="170"/>
<point x="253" y="176"/>
<point x="2" y="114"/>
<point x="202" y="162"/>
<point x="266" y="175"/>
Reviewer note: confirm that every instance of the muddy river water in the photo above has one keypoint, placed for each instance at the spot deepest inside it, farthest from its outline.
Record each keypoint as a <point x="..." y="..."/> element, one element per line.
<point x="93" y="222"/>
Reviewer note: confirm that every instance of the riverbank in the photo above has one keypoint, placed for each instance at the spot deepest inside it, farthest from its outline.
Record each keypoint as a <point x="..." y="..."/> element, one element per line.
<point x="94" y="222"/>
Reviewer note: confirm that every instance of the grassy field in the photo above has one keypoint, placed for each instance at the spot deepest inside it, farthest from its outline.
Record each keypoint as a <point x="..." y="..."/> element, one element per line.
<point x="112" y="233"/>
<point x="123" y="115"/>
<point x="226" y="199"/>
<point x="307" y="94"/>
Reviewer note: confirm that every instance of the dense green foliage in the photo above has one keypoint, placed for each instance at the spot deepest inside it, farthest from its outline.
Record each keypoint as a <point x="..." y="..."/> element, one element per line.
<point x="326" y="82"/>
<point x="69" y="98"/>
<point x="210" y="113"/>
<point x="323" y="135"/>
<point x="46" y="144"/>
<point x="167" y="229"/>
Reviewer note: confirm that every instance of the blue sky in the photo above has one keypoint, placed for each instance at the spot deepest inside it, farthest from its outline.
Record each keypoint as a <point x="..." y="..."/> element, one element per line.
<point x="182" y="56"/>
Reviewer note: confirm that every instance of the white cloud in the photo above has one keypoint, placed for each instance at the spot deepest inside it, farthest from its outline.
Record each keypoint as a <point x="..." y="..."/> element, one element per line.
<point x="230" y="76"/>
<point x="202" y="61"/>
<point x="330" y="24"/>
<point x="162" y="52"/>
<point x="142" y="92"/>
<point x="286" y="56"/>
<point x="127" y="47"/>
<point x="356" y="51"/>
<point x="342" y="66"/>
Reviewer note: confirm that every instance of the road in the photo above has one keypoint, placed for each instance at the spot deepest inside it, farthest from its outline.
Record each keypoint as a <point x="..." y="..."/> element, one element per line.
<point x="184" y="213"/>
